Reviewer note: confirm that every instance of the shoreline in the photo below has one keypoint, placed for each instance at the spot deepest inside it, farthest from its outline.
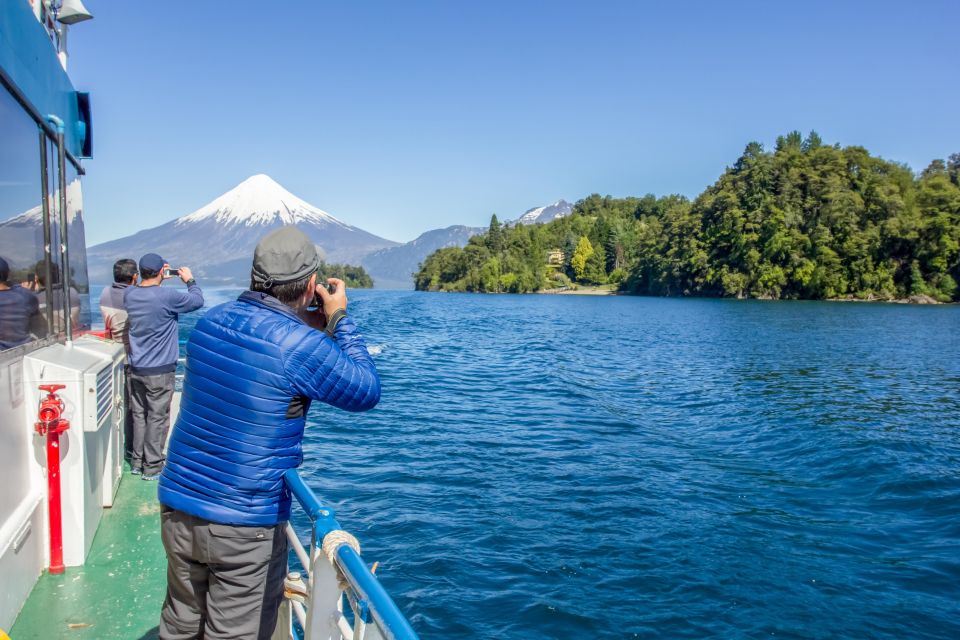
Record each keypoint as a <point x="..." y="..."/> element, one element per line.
<point x="582" y="291"/>
<point x="601" y="291"/>
<point x="605" y="290"/>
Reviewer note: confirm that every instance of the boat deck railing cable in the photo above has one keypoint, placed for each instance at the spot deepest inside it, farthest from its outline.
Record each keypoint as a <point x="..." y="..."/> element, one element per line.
<point x="335" y="575"/>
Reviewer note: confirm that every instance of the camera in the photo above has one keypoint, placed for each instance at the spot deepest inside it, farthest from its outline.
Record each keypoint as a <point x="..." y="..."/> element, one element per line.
<point x="171" y="273"/>
<point x="317" y="302"/>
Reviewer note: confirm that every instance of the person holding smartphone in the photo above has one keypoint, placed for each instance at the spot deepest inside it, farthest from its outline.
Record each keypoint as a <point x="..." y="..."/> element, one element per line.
<point x="153" y="313"/>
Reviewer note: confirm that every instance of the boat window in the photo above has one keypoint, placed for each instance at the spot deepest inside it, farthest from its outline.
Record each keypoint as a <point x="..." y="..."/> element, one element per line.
<point x="21" y="225"/>
<point x="79" y="284"/>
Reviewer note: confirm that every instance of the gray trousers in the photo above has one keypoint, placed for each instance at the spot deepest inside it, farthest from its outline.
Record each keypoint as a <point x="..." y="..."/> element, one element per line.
<point x="150" y="398"/>
<point x="223" y="581"/>
<point x="127" y="418"/>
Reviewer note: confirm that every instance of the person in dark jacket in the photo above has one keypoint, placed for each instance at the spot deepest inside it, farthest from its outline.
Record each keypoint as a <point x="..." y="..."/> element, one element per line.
<point x="153" y="312"/>
<point x="18" y="310"/>
<point x="253" y="367"/>
<point x="114" y="313"/>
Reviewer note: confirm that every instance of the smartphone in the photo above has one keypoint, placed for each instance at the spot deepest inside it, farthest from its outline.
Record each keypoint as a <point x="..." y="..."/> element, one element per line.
<point x="171" y="273"/>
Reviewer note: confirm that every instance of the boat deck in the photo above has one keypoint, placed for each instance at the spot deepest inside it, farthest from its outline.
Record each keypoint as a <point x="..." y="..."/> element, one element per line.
<point x="118" y="593"/>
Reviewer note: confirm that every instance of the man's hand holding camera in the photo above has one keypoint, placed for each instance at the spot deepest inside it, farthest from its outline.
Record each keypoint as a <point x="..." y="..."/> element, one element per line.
<point x="329" y="297"/>
<point x="332" y="300"/>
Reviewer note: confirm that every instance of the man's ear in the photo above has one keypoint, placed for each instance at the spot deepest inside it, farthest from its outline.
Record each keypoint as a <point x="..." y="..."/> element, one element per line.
<point x="311" y="290"/>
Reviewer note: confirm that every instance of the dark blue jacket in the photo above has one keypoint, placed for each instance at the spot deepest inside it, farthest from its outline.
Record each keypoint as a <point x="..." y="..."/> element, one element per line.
<point x="152" y="315"/>
<point x="252" y="369"/>
<point x="18" y="309"/>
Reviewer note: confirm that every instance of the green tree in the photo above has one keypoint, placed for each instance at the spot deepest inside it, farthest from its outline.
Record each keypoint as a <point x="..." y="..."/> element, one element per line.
<point x="580" y="256"/>
<point x="495" y="235"/>
<point x="806" y="220"/>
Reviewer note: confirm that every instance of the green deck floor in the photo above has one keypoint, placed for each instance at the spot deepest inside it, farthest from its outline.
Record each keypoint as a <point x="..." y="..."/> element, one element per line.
<point x="118" y="593"/>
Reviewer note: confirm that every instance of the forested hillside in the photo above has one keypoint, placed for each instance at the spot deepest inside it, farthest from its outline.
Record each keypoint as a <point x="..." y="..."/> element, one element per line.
<point x="807" y="220"/>
<point x="354" y="277"/>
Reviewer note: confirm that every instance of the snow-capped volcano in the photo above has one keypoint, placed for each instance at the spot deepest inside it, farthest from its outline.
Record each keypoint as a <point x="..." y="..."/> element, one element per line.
<point x="259" y="200"/>
<point x="550" y="212"/>
<point x="216" y="241"/>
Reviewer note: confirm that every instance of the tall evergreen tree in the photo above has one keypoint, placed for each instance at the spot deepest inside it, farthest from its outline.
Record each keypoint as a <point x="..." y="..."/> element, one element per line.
<point x="807" y="220"/>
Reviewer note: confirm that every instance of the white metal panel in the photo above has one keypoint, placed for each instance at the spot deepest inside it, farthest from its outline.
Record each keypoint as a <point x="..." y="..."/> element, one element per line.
<point x="109" y="410"/>
<point x="83" y="453"/>
<point x="15" y="439"/>
<point x="22" y="537"/>
<point x="22" y="555"/>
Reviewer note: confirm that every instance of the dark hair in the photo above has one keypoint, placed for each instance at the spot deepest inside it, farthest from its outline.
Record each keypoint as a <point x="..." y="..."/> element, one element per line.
<point x="146" y="274"/>
<point x="287" y="292"/>
<point x="4" y="270"/>
<point x="42" y="273"/>
<point x="124" y="270"/>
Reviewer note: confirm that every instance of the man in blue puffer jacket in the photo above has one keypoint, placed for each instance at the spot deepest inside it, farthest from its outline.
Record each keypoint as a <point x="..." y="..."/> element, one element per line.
<point x="253" y="367"/>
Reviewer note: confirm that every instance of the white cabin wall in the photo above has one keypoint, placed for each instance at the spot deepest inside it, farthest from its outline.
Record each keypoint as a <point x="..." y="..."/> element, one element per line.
<point x="22" y="517"/>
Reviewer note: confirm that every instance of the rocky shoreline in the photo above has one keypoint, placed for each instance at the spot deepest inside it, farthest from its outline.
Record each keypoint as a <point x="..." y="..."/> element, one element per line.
<point x="599" y="291"/>
<point x="916" y="299"/>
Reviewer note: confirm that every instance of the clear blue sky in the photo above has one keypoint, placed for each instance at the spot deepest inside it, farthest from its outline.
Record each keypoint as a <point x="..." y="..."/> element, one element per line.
<point x="400" y="117"/>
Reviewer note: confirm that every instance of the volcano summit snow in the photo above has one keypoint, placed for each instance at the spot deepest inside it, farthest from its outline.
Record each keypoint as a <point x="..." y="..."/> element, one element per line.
<point x="216" y="241"/>
<point x="260" y="200"/>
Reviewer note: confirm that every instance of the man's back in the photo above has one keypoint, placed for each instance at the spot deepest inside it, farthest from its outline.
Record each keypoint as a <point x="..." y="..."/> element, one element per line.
<point x="152" y="314"/>
<point x="18" y="306"/>
<point x="252" y="369"/>
<point x="115" y="313"/>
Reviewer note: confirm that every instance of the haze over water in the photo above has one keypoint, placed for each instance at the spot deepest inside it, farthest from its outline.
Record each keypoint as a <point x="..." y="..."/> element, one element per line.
<point x="565" y="467"/>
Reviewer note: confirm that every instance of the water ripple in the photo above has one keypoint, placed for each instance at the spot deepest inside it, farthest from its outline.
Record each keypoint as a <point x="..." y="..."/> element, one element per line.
<point x="566" y="467"/>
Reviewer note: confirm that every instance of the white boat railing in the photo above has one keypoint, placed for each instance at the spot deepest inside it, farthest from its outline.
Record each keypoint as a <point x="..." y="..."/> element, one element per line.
<point x="336" y="575"/>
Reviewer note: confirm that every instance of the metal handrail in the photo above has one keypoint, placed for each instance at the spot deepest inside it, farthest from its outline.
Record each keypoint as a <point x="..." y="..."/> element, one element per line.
<point x="368" y="599"/>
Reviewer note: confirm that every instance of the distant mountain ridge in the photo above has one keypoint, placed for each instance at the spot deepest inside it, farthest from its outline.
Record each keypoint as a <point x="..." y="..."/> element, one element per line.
<point x="539" y="215"/>
<point x="217" y="240"/>
<point x="393" y="268"/>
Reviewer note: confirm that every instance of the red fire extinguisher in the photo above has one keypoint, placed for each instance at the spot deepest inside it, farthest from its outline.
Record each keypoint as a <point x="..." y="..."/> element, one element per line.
<point x="51" y="424"/>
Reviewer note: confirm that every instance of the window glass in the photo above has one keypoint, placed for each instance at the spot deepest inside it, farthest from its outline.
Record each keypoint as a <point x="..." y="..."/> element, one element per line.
<point x="78" y="291"/>
<point x="56" y="269"/>
<point x="21" y="225"/>
<point x="79" y="283"/>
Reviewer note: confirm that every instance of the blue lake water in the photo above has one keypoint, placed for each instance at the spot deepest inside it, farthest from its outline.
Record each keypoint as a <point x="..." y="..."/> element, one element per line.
<point x="570" y="467"/>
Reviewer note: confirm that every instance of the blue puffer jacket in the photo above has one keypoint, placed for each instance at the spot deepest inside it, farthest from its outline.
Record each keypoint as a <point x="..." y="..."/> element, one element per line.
<point x="252" y="369"/>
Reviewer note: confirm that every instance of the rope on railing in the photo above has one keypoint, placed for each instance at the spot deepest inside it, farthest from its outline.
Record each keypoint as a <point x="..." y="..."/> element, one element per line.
<point x="335" y="538"/>
<point x="366" y="596"/>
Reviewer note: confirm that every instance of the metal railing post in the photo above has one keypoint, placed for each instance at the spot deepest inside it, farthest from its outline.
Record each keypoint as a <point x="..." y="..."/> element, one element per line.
<point x="376" y="615"/>
<point x="47" y="240"/>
